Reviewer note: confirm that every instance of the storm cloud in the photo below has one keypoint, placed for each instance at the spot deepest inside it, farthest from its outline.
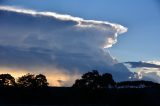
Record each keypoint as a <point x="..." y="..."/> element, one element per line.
<point x="49" y="41"/>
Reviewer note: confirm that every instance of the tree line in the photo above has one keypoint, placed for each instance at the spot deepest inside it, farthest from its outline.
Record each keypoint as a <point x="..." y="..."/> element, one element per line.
<point x="91" y="88"/>
<point x="89" y="80"/>
<point x="94" y="80"/>
<point x="28" y="80"/>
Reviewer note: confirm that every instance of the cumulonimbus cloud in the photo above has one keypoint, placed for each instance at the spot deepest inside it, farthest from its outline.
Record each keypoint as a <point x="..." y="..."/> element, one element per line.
<point x="31" y="39"/>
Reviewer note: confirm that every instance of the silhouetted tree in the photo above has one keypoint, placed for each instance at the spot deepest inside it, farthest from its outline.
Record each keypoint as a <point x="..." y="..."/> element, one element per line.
<point x="107" y="81"/>
<point x="6" y="80"/>
<point x="94" y="80"/>
<point x="41" y="81"/>
<point x="32" y="81"/>
<point x="26" y="80"/>
<point x="89" y="80"/>
<point x="80" y="83"/>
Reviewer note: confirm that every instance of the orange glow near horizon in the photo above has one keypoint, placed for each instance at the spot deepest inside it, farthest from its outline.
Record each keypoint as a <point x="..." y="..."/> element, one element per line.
<point x="55" y="78"/>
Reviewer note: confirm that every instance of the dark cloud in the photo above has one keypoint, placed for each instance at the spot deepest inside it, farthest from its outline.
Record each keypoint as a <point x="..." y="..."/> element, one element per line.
<point x="142" y="64"/>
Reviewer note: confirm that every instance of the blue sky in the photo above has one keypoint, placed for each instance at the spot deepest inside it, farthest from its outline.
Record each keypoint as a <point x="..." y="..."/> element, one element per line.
<point x="142" y="17"/>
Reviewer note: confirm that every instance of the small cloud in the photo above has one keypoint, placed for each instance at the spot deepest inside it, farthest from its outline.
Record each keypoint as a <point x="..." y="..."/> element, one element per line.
<point x="147" y="70"/>
<point x="143" y="64"/>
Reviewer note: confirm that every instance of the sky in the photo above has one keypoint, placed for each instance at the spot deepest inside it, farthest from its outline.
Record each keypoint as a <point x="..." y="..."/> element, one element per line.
<point x="140" y="41"/>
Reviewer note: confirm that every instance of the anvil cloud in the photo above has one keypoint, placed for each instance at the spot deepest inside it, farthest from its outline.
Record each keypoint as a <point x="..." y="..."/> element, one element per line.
<point x="52" y="42"/>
